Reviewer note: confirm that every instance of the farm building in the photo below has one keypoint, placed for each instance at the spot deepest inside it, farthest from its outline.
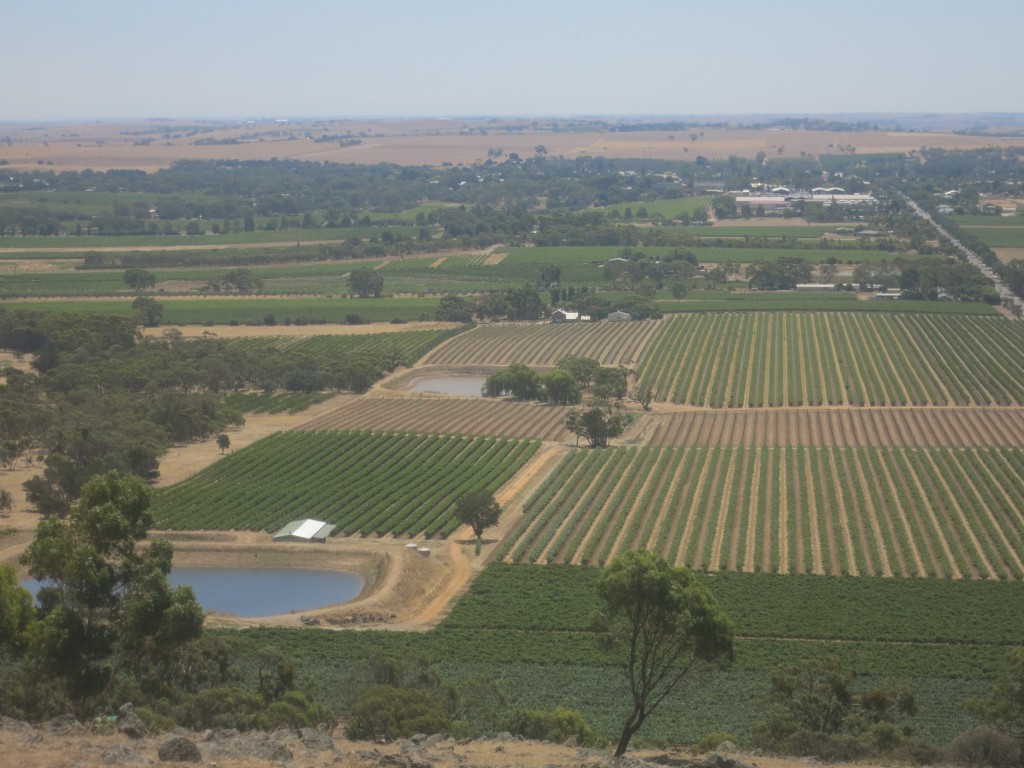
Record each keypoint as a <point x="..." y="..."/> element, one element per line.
<point x="815" y="287"/>
<point x="305" y="530"/>
<point x="619" y="316"/>
<point x="566" y="315"/>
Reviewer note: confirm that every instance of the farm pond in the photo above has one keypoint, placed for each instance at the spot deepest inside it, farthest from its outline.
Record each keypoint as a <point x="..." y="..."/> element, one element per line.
<point x="450" y="385"/>
<point x="258" y="592"/>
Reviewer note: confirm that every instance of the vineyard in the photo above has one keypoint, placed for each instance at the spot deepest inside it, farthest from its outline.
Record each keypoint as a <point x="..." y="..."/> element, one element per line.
<point x="401" y="347"/>
<point x="363" y="482"/>
<point x="474" y="416"/>
<point x="779" y="359"/>
<point x="545" y="344"/>
<point x="931" y="512"/>
<point x="885" y="427"/>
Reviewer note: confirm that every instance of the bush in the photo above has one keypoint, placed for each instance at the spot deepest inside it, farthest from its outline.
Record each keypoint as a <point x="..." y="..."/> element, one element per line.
<point x="555" y="726"/>
<point x="713" y="739"/>
<point x="384" y="712"/>
<point x="155" y="722"/>
<point x="985" y="746"/>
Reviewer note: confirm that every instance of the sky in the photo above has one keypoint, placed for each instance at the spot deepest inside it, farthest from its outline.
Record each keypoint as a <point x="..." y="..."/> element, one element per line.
<point x="193" y="59"/>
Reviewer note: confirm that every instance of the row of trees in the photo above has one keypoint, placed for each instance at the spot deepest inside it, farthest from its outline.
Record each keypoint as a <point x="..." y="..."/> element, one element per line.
<point x="104" y="399"/>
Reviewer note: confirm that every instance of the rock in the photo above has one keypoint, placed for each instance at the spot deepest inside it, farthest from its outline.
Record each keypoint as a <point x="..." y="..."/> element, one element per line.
<point x="572" y="741"/>
<point x="63" y="724"/>
<point x="178" y="749"/>
<point x="130" y="724"/>
<point x="726" y="748"/>
<point x="504" y="736"/>
<point x="314" y="739"/>
<point x="119" y="754"/>
<point x="716" y="760"/>
<point x="272" y="751"/>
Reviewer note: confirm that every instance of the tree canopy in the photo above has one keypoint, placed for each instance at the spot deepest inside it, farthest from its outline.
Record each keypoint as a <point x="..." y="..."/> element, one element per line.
<point x="365" y="282"/>
<point x="664" y="623"/>
<point x="479" y="510"/>
<point x="104" y="605"/>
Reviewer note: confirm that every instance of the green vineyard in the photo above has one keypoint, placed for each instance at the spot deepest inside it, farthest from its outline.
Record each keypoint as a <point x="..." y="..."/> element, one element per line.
<point x="364" y="482"/>
<point x="404" y="347"/>
<point x="792" y="359"/>
<point x="930" y="512"/>
<point x="546" y="344"/>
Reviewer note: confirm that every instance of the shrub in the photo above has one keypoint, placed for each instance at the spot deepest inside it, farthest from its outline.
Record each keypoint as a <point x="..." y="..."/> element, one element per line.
<point x="555" y="726"/>
<point x="384" y="712"/>
<point x="985" y="746"/>
<point x="713" y="739"/>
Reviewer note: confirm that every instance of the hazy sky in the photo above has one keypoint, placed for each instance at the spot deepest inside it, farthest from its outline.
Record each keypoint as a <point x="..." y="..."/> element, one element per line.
<point x="67" y="59"/>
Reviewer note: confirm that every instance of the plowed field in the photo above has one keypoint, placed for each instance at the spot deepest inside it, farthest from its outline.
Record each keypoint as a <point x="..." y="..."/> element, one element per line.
<point x="433" y="415"/>
<point x="544" y="344"/>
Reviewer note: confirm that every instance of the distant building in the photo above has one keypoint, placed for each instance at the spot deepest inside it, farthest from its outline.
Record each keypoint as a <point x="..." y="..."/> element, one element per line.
<point x="563" y="316"/>
<point x="618" y="316"/>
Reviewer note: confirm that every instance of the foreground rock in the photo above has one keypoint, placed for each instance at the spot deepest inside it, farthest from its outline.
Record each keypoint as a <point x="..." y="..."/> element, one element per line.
<point x="65" y="742"/>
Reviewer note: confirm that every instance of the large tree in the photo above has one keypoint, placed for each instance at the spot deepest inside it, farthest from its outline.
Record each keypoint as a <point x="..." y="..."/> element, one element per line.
<point x="598" y="424"/>
<point x="365" y="282"/>
<point x="665" y="624"/>
<point x="105" y="606"/>
<point x="139" y="279"/>
<point x="478" y="510"/>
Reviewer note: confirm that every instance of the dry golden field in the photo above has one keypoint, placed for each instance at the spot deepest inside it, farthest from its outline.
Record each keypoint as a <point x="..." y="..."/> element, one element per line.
<point x="150" y="145"/>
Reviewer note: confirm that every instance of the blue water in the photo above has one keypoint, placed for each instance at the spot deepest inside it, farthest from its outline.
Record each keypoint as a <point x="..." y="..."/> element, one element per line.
<point x="451" y="385"/>
<point x="256" y="592"/>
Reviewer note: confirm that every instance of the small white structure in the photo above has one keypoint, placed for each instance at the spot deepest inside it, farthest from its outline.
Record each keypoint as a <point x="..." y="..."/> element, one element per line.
<point x="564" y="316"/>
<point x="815" y="286"/>
<point x="305" y="530"/>
<point x="619" y="316"/>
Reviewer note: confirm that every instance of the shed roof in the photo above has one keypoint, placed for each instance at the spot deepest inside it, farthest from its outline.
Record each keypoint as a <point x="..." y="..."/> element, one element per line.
<point x="305" y="530"/>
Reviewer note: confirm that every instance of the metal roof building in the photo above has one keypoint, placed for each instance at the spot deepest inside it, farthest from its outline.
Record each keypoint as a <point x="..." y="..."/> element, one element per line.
<point x="305" y="530"/>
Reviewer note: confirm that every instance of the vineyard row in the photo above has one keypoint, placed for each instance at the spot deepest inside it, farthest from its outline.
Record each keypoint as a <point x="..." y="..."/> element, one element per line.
<point x="813" y="358"/>
<point x="363" y="482"/>
<point x="544" y="344"/>
<point x="932" y="512"/>
<point x="842" y="427"/>
<point x="467" y="416"/>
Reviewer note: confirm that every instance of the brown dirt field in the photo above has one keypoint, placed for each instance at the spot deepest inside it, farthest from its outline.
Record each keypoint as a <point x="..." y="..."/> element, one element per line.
<point x="102" y="146"/>
<point x="261" y="331"/>
<point x="1006" y="255"/>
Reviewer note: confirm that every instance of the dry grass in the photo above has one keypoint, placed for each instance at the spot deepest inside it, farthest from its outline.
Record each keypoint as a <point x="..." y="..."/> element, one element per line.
<point x="102" y="146"/>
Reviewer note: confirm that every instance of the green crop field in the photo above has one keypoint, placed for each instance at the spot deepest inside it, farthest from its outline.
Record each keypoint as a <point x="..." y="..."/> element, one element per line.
<point x="932" y="512"/>
<point x="400" y="347"/>
<point x="363" y="482"/>
<point x="827" y="301"/>
<point x="668" y="208"/>
<point x="752" y="228"/>
<point x="999" y="237"/>
<point x="528" y="627"/>
<point x="284" y="236"/>
<point x="780" y="359"/>
<point x="254" y="310"/>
